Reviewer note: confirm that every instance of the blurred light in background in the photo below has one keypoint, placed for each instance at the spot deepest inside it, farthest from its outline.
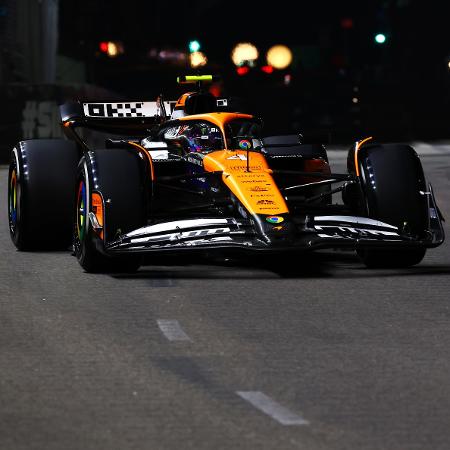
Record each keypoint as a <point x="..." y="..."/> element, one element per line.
<point x="355" y="100"/>
<point x="198" y="59"/>
<point x="242" y="70"/>
<point x="267" y="69"/>
<point x="111" y="48"/>
<point x="168" y="55"/>
<point x="347" y="23"/>
<point x="243" y="53"/>
<point x="380" y="38"/>
<point x="279" y="56"/>
<point x="287" y="79"/>
<point x="194" y="46"/>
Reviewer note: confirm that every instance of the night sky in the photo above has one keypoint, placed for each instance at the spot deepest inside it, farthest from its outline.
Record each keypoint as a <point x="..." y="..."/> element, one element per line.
<point x="417" y="27"/>
<point x="332" y="41"/>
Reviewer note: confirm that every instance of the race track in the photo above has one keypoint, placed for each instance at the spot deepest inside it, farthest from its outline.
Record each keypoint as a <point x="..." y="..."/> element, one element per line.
<point x="222" y="355"/>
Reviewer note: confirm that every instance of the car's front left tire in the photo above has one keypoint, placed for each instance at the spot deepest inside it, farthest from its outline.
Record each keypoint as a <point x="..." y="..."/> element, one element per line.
<point x="113" y="180"/>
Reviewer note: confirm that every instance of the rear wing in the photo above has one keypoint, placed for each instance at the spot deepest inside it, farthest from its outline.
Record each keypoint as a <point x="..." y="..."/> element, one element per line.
<point x="93" y="114"/>
<point x="126" y="113"/>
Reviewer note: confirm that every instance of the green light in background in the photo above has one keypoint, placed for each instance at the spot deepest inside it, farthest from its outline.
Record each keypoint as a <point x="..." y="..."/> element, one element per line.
<point x="194" y="46"/>
<point x="380" y="38"/>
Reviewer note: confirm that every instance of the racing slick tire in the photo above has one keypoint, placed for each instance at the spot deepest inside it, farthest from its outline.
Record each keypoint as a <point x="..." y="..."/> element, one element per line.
<point x="41" y="193"/>
<point x="116" y="177"/>
<point x="393" y="184"/>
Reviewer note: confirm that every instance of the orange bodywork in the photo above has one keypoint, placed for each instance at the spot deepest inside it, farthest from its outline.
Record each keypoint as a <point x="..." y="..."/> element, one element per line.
<point x="357" y="147"/>
<point x="97" y="209"/>
<point x="182" y="100"/>
<point x="255" y="188"/>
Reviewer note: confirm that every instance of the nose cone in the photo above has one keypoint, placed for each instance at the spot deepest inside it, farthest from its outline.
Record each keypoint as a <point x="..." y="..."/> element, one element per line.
<point x="276" y="230"/>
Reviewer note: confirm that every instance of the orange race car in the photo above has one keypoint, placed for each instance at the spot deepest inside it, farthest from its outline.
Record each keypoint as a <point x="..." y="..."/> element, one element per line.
<point x="191" y="175"/>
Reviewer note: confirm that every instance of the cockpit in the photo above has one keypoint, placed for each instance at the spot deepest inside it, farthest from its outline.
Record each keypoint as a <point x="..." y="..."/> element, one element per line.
<point x="204" y="136"/>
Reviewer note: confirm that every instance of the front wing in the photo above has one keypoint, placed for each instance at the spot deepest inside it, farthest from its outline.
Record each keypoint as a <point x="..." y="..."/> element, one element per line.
<point x="313" y="232"/>
<point x="310" y="232"/>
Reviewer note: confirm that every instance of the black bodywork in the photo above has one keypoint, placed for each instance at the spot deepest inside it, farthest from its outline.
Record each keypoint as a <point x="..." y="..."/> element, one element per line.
<point x="188" y="208"/>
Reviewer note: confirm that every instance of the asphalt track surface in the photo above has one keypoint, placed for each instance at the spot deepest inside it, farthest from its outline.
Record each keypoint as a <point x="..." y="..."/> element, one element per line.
<point x="222" y="355"/>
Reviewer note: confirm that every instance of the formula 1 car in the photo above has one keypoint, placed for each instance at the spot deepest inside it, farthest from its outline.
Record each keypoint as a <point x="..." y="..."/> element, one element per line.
<point x="192" y="175"/>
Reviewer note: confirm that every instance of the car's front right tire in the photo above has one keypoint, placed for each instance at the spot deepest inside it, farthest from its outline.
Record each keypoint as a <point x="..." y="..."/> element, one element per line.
<point x="394" y="189"/>
<point x="41" y="184"/>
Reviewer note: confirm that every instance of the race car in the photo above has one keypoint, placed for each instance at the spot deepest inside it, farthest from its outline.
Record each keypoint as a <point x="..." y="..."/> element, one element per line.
<point x="145" y="178"/>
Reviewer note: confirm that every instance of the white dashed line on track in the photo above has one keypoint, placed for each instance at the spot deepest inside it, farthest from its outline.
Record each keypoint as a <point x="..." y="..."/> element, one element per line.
<point x="272" y="408"/>
<point x="172" y="330"/>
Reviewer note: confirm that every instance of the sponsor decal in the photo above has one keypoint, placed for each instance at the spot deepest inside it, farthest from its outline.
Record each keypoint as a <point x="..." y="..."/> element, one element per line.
<point x="125" y="109"/>
<point x="274" y="219"/>
<point x="257" y="143"/>
<point x="353" y="232"/>
<point x="265" y="202"/>
<point x="258" y="189"/>
<point x="173" y="237"/>
<point x="242" y="168"/>
<point x="245" y="144"/>
<point x="222" y="102"/>
<point x="113" y="109"/>
<point x="238" y="156"/>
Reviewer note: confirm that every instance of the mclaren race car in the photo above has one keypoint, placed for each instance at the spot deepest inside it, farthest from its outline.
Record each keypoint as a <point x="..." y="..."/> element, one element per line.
<point x="194" y="175"/>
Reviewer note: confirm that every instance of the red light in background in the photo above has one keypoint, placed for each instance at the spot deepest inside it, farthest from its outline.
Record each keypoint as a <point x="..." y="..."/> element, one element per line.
<point x="104" y="47"/>
<point x="267" y="69"/>
<point x="215" y="90"/>
<point x="243" y="70"/>
<point x="347" y="23"/>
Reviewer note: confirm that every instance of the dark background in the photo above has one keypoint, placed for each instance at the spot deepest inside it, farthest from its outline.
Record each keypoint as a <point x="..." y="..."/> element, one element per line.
<point x="50" y="51"/>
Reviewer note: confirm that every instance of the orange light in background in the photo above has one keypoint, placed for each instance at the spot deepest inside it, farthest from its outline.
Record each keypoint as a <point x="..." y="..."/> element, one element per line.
<point x="279" y="56"/>
<point x="112" y="49"/>
<point x="243" y="53"/>
<point x="198" y="59"/>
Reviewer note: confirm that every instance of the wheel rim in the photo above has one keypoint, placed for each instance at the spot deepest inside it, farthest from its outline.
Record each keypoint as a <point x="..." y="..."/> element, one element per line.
<point x="12" y="201"/>
<point x="81" y="211"/>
